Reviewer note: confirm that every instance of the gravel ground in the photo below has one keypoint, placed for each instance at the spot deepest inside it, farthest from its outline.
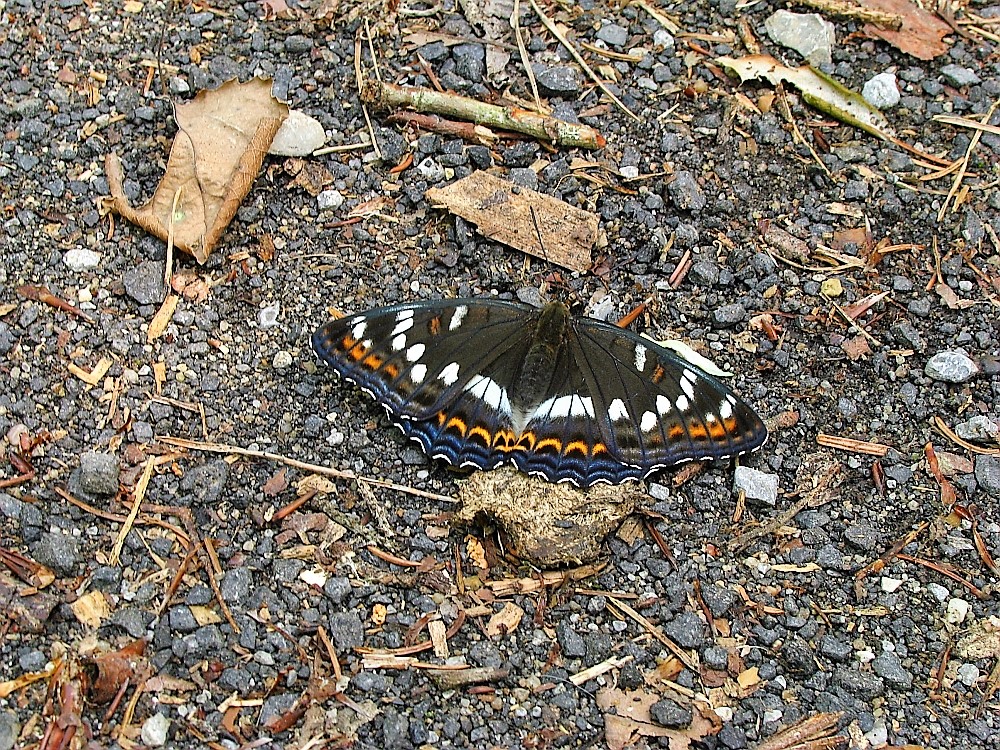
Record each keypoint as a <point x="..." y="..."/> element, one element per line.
<point x="783" y="611"/>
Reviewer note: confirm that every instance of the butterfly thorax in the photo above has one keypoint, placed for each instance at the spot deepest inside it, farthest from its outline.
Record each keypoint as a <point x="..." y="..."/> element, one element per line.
<point x="535" y="376"/>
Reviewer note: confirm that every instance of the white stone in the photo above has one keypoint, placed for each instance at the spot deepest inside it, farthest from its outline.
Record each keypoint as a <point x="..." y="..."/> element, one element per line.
<point x="938" y="591"/>
<point x="809" y="34"/>
<point x="154" y="730"/>
<point x="890" y="585"/>
<point x="329" y="199"/>
<point x="878" y="735"/>
<point x="958" y="610"/>
<point x="81" y="259"/>
<point x="299" y="135"/>
<point x="281" y="360"/>
<point x="968" y="674"/>
<point x="758" y="485"/>
<point x="268" y="316"/>
<point x="881" y="91"/>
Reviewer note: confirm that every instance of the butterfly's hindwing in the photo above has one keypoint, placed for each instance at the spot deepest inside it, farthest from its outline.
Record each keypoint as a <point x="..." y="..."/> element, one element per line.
<point x="482" y="382"/>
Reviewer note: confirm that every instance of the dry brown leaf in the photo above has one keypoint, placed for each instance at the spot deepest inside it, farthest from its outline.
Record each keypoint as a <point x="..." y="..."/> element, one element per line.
<point x="505" y="621"/>
<point x="507" y="213"/>
<point x="921" y="35"/>
<point x="948" y="296"/>
<point x="223" y="136"/>
<point x="856" y="348"/>
<point x="626" y="718"/>
<point x="204" y="615"/>
<point x="190" y="285"/>
<point x="309" y="175"/>
<point x="112" y="670"/>
<point x="277" y="483"/>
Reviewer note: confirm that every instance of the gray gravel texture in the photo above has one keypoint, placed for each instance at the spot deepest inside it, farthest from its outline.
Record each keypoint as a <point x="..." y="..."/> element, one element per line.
<point x="73" y="83"/>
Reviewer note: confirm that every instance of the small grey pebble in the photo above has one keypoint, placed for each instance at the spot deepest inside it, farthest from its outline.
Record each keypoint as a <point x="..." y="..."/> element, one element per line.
<point x="670" y="714"/>
<point x="950" y="367"/>
<point x="99" y="473"/>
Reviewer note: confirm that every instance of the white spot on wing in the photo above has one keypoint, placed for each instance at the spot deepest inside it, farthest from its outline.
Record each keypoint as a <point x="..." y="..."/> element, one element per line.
<point x="359" y="329"/>
<point x="640" y="357"/>
<point x="663" y="404"/>
<point x="449" y="374"/>
<point x="617" y="410"/>
<point x="490" y="392"/>
<point x="726" y="408"/>
<point x="404" y="324"/>
<point x="405" y="314"/>
<point x="418" y="372"/>
<point x="710" y="418"/>
<point x="683" y="403"/>
<point x="688" y="385"/>
<point x="366" y="344"/>
<point x="415" y="352"/>
<point x="399" y="342"/>
<point x="457" y="317"/>
<point x="648" y="421"/>
<point x="565" y="406"/>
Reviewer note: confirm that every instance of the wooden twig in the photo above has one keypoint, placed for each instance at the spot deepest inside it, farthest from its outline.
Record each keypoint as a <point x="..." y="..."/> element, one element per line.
<point x="588" y="674"/>
<point x="554" y="30"/>
<point x="818" y="495"/>
<point x="467" y="131"/>
<point x="388" y="96"/>
<point x="848" y="9"/>
<point x="941" y="426"/>
<point x="515" y="22"/>
<point x="41" y="294"/>
<point x="197" y="445"/>
<point x="854" y="446"/>
<point x="946" y="571"/>
<point x="686" y="659"/>
<point x="973" y="142"/>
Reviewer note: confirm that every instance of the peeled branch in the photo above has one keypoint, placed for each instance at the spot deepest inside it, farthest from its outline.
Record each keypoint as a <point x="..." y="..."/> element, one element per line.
<point x="388" y="96"/>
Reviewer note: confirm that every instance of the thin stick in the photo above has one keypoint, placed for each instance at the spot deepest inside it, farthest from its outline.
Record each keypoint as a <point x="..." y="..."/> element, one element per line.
<point x="168" y="264"/>
<point x="138" y="494"/>
<point x="945" y="430"/>
<point x="515" y="22"/>
<point x="965" y="163"/>
<point x="388" y="96"/>
<point x="359" y="80"/>
<point x="554" y="30"/>
<point x="315" y="468"/>
<point x="676" y="650"/>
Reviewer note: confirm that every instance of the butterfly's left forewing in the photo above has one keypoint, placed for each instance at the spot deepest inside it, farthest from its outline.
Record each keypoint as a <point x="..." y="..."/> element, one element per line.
<point x="657" y="409"/>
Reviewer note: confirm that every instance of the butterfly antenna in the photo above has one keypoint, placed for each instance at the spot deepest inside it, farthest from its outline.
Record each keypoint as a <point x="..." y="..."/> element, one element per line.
<point x="542" y="251"/>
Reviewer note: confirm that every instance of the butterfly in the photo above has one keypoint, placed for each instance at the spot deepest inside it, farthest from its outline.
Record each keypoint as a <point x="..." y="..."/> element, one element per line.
<point x="482" y="382"/>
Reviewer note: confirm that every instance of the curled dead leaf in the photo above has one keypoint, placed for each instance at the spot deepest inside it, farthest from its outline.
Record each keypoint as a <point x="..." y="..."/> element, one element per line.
<point x="222" y="138"/>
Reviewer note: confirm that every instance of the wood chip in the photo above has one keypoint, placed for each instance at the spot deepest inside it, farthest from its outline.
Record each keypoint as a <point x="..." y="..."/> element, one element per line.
<point x="854" y="446"/>
<point x="439" y="638"/>
<point x="94" y="376"/>
<point x="507" y="213"/>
